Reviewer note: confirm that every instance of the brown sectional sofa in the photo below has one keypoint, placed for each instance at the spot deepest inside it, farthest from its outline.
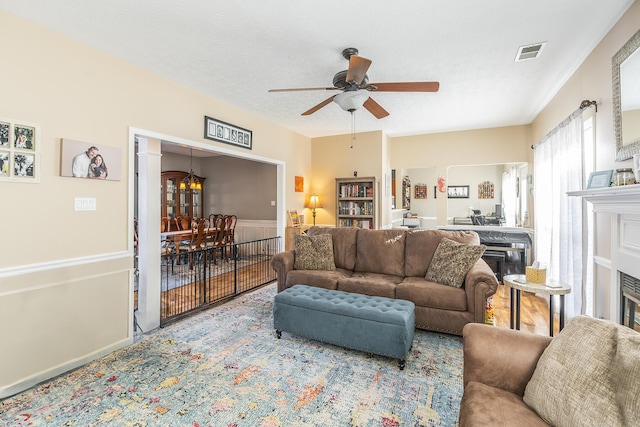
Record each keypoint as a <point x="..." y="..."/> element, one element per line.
<point x="393" y="264"/>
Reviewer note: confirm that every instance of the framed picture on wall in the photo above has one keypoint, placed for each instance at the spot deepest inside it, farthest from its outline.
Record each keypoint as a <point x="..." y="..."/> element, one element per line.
<point x="217" y="130"/>
<point x="80" y="159"/>
<point x="19" y="151"/>
<point x="458" y="191"/>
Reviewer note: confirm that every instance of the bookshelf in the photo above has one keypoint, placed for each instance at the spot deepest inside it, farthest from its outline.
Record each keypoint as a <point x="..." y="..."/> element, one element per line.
<point x="357" y="202"/>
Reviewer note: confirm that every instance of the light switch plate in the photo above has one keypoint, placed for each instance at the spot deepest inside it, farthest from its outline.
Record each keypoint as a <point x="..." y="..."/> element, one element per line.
<point x="85" y="204"/>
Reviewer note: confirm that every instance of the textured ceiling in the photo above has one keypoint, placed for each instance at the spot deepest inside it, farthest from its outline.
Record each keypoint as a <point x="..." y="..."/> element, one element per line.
<point x="237" y="51"/>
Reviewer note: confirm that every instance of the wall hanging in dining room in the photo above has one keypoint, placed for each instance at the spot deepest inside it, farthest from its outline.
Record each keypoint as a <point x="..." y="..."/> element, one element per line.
<point x="218" y="130"/>
<point x="92" y="161"/>
<point x="19" y="151"/>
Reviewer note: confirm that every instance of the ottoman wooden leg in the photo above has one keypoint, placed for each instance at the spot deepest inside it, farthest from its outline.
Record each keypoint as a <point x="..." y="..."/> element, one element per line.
<point x="278" y="334"/>
<point x="401" y="364"/>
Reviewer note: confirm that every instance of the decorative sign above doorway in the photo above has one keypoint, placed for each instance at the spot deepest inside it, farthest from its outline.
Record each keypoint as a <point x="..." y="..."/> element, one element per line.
<point x="217" y="130"/>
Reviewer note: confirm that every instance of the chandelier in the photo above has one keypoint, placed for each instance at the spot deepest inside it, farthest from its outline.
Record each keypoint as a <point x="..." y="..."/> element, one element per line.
<point x="191" y="181"/>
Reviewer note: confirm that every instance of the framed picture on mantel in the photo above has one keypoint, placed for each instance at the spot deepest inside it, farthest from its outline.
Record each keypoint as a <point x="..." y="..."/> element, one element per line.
<point x="600" y="179"/>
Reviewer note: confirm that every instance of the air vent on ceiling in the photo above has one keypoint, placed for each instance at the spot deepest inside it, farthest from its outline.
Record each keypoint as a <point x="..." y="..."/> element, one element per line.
<point x="531" y="51"/>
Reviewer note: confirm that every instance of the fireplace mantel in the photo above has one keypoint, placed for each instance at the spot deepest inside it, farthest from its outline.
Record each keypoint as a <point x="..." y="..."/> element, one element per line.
<point x="624" y="199"/>
<point x="623" y="205"/>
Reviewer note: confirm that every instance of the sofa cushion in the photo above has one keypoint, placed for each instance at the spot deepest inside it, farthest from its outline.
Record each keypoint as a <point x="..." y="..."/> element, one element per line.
<point x="483" y="405"/>
<point x="344" y="244"/>
<point x="380" y="251"/>
<point x="452" y="261"/>
<point x="575" y="381"/>
<point x="319" y="278"/>
<point x="313" y="252"/>
<point x="430" y="294"/>
<point x="374" y="284"/>
<point x="421" y="245"/>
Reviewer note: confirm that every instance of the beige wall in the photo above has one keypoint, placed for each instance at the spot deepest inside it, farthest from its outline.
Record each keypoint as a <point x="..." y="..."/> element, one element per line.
<point x="332" y="157"/>
<point x="79" y="306"/>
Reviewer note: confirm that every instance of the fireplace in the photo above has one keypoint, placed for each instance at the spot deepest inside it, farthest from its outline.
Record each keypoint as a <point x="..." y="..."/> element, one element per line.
<point x="622" y="205"/>
<point x="630" y="289"/>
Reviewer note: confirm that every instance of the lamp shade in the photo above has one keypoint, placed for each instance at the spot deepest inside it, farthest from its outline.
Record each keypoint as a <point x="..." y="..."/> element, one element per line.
<point x="314" y="202"/>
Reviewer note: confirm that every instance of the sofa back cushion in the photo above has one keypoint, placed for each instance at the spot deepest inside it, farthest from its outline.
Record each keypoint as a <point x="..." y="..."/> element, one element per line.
<point x="583" y="376"/>
<point x="380" y="251"/>
<point x="344" y="244"/>
<point x="421" y="245"/>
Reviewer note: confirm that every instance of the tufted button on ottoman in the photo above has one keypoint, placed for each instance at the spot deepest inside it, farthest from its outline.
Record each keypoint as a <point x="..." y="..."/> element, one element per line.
<point x="376" y="325"/>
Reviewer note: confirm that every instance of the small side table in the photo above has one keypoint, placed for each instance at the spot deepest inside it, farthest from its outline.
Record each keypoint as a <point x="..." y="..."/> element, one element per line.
<point x="518" y="283"/>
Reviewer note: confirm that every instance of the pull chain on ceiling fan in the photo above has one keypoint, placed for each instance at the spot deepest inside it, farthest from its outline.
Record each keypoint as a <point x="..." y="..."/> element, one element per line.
<point x="354" y="84"/>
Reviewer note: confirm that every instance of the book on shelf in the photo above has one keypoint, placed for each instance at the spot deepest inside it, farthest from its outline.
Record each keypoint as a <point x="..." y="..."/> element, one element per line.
<point x="355" y="190"/>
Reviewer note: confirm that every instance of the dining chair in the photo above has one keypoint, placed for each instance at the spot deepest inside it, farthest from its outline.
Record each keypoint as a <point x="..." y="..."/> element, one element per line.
<point x="168" y="251"/>
<point x="165" y="224"/>
<point x="195" y="243"/>
<point x="183" y="223"/>
<point x="218" y="239"/>
<point x="231" y="228"/>
<point x="213" y="218"/>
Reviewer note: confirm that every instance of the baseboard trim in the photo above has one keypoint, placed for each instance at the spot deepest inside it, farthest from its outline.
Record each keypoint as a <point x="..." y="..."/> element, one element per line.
<point x="46" y="375"/>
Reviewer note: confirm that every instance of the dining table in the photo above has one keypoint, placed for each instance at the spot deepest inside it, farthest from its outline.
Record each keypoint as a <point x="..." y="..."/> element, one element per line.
<point x="180" y="235"/>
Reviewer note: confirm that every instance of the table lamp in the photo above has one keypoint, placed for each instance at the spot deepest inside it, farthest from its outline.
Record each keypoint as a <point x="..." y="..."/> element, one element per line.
<point x="314" y="202"/>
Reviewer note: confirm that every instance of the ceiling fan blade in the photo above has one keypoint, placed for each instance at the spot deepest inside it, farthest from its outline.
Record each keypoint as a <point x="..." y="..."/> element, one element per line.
<point x="375" y="108"/>
<point x="358" y="67"/>
<point x="404" y="87"/>
<point x="319" y="106"/>
<point x="303" y="88"/>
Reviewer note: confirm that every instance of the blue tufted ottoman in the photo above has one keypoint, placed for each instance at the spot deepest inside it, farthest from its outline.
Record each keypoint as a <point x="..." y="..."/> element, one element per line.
<point x="376" y="325"/>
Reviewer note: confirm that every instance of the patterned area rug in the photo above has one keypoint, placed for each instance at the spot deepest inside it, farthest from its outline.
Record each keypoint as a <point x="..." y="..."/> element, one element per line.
<point x="225" y="367"/>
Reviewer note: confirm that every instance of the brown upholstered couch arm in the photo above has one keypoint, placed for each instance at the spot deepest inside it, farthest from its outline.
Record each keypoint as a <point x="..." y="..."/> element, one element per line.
<point x="479" y="284"/>
<point x="283" y="263"/>
<point x="501" y="357"/>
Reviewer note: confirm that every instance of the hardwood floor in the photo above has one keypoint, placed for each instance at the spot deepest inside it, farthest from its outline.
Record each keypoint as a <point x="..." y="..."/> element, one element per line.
<point x="534" y="311"/>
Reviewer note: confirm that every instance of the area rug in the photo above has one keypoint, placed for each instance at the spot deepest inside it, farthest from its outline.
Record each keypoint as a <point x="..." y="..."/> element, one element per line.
<point x="225" y="367"/>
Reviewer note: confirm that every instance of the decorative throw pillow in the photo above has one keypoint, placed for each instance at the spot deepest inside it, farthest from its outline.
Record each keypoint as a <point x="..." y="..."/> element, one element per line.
<point x="452" y="261"/>
<point x="313" y="252"/>
<point x="575" y="380"/>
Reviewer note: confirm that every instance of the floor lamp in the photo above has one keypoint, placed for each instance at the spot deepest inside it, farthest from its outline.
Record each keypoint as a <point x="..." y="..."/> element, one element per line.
<point x="314" y="202"/>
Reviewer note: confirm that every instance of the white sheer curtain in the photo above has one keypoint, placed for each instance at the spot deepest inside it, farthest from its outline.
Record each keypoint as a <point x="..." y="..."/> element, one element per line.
<point x="509" y="196"/>
<point x="558" y="218"/>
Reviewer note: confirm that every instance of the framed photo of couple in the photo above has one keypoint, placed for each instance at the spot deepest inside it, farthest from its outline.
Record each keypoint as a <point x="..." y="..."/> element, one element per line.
<point x="19" y="151"/>
<point x="86" y="160"/>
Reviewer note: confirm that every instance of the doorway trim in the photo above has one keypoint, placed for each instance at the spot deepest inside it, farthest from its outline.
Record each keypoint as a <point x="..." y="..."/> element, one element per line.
<point x="148" y="316"/>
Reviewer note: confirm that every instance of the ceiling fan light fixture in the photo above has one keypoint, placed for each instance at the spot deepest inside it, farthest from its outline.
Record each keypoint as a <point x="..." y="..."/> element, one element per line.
<point x="351" y="100"/>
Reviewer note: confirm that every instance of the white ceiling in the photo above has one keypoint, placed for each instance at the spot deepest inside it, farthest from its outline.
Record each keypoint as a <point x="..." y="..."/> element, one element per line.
<point x="237" y="51"/>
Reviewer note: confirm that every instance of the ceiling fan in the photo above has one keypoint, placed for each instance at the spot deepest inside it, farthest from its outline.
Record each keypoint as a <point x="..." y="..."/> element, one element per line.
<point x="354" y="84"/>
